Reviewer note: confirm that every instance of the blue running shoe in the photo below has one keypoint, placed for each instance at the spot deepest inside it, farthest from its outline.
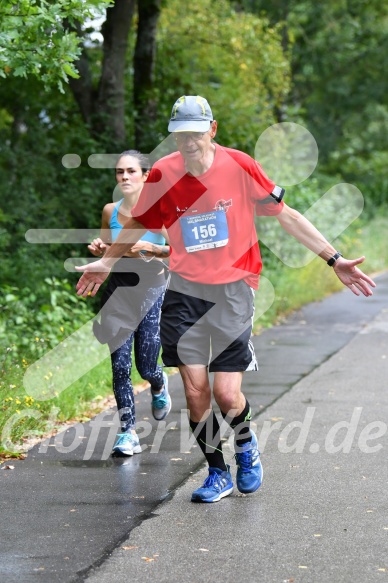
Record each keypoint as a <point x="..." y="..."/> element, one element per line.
<point x="250" y="471"/>
<point x="217" y="485"/>
<point x="126" y="444"/>
<point x="161" y="402"/>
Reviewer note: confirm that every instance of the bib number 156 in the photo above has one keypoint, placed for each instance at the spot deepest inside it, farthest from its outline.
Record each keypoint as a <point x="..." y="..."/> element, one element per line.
<point x="205" y="231"/>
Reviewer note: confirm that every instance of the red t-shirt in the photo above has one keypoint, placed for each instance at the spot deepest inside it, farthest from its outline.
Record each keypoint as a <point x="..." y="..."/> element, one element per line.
<point x="216" y="208"/>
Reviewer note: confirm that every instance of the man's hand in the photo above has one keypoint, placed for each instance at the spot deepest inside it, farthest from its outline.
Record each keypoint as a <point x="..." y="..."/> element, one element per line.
<point x="353" y="277"/>
<point x="93" y="277"/>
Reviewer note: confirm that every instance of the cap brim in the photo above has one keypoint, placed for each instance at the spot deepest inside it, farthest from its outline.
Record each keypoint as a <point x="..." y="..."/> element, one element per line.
<point x="189" y="126"/>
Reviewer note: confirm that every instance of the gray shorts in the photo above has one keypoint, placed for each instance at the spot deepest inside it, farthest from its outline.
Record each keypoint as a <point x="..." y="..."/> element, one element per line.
<point x="208" y="324"/>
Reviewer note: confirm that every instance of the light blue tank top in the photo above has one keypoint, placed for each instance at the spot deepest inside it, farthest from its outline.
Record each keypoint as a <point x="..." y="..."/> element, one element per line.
<point x="115" y="228"/>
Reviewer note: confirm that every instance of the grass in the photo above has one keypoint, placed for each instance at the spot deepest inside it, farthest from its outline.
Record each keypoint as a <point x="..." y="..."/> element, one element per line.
<point x="296" y="287"/>
<point x="22" y="418"/>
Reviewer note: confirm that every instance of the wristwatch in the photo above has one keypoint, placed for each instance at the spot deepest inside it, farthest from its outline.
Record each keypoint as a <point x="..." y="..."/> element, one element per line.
<point x="333" y="259"/>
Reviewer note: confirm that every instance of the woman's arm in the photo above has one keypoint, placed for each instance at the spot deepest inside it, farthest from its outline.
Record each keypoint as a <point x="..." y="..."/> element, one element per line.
<point x="152" y="249"/>
<point x="98" y="246"/>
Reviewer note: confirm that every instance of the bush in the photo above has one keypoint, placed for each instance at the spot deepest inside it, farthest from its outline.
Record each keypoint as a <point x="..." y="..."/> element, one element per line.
<point x="34" y="321"/>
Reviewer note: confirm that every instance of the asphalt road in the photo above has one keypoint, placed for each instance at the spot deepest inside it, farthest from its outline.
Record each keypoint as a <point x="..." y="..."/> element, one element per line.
<point x="68" y="510"/>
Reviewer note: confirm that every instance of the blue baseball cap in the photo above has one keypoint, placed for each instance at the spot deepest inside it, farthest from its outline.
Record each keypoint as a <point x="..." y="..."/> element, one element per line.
<point x="190" y="113"/>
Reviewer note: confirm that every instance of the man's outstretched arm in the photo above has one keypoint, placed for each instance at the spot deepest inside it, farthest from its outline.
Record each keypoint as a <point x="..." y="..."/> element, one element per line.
<point x="346" y="270"/>
<point x="95" y="273"/>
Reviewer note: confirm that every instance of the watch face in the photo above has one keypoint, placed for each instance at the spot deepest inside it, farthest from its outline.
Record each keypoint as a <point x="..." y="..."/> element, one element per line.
<point x="333" y="259"/>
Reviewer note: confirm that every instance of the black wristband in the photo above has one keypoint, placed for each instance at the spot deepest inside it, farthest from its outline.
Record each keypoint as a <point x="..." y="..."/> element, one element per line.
<point x="333" y="259"/>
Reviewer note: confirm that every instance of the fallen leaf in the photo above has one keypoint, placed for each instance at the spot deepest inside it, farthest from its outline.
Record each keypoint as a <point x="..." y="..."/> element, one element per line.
<point x="7" y="467"/>
<point x="148" y="559"/>
<point x="129" y="548"/>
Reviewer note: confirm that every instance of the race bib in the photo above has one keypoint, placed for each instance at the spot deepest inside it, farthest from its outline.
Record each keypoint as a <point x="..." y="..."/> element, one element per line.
<point x="204" y="231"/>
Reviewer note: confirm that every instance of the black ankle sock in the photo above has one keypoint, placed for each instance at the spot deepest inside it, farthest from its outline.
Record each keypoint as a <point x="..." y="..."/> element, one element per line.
<point x="207" y="434"/>
<point x="241" y="425"/>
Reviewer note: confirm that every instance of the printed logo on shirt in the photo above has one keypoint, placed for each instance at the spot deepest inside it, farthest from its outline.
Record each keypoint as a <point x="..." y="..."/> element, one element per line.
<point x="223" y="205"/>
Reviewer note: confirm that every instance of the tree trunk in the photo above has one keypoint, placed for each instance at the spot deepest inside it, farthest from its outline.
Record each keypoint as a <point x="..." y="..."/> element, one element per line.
<point x="103" y="109"/>
<point x="144" y="63"/>
<point x="82" y="87"/>
<point x="110" y="105"/>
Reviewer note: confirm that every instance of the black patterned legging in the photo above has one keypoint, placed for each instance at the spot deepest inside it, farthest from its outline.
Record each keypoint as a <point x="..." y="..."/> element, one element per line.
<point x="146" y="340"/>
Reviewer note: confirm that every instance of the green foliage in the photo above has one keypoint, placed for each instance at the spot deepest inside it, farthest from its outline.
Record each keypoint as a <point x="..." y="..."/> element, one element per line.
<point x="23" y="26"/>
<point x="36" y="190"/>
<point x="347" y="97"/>
<point x="339" y="89"/>
<point x="34" y="320"/>
<point x="364" y="154"/>
<point x="233" y="59"/>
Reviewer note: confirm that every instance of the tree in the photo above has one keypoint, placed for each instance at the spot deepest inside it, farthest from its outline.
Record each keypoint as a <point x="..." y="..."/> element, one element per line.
<point x="234" y="59"/>
<point x="144" y="68"/>
<point x="103" y="106"/>
<point x="68" y="56"/>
